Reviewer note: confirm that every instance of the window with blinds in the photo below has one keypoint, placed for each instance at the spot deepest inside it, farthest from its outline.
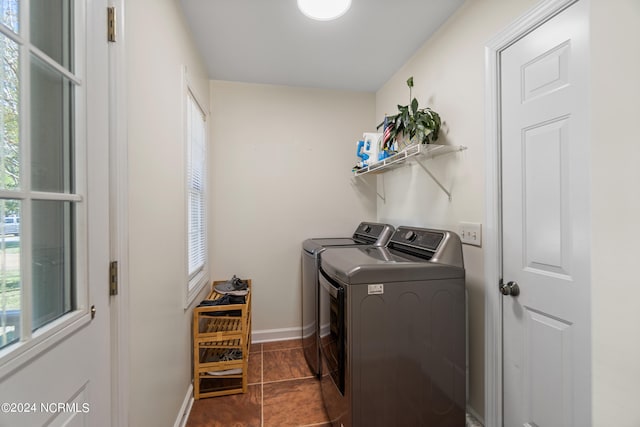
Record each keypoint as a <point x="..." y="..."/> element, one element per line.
<point x="196" y="184"/>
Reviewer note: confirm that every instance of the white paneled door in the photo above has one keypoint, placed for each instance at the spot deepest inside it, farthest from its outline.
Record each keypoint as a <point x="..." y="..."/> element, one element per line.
<point x="55" y="346"/>
<point x="545" y="217"/>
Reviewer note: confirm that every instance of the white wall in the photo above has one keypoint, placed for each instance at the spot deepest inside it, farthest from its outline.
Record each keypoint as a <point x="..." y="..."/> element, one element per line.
<point x="281" y="161"/>
<point x="158" y="45"/>
<point x="262" y="184"/>
<point x="615" y="92"/>
<point x="448" y="73"/>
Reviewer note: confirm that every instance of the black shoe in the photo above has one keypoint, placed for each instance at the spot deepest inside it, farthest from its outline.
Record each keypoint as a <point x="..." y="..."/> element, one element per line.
<point x="224" y="300"/>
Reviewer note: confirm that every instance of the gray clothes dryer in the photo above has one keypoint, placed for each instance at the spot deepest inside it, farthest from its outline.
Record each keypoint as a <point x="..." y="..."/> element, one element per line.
<point x="366" y="234"/>
<point x="394" y="344"/>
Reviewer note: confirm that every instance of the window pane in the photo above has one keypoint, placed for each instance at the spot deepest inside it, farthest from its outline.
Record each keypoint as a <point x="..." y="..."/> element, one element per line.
<point x="51" y="129"/>
<point x="9" y="272"/>
<point x="9" y="13"/>
<point x="195" y="178"/>
<point x="51" y="28"/>
<point x="9" y="108"/>
<point x="53" y="251"/>
<point x="196" y="232"/>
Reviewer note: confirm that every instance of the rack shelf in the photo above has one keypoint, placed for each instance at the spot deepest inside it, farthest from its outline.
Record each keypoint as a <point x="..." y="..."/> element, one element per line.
<point x="221" y="347"/>
<point x="428" y="151"/>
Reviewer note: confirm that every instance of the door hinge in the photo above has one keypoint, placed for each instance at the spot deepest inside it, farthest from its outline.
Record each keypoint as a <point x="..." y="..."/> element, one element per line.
<point x="111" y="24"/>
<point x="113" y="278"/>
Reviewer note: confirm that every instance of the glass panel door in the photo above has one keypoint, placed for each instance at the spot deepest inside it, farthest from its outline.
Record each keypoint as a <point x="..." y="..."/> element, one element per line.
<point x="39" y="164"/>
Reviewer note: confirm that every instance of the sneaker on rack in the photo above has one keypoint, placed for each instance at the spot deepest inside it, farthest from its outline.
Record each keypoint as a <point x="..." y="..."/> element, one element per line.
<point x="236" y="371"/>
<point x="226" y="355"/>
<point x="224" y="300"/>
<point x="234" y="286"/>
<point x="231" y="354"/>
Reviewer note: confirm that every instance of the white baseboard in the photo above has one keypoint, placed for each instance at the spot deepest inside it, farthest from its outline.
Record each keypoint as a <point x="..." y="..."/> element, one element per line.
<point x="477" y="419"/>
<point x="267" y="335"/>
<point x="185" y="409"/>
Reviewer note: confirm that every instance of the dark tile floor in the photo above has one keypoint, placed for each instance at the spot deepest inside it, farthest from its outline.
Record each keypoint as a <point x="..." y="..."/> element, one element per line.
<point x="282" y="392"/>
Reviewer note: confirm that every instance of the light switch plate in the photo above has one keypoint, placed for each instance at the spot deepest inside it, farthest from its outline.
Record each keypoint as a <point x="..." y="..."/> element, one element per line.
<point x="471" y="233"/>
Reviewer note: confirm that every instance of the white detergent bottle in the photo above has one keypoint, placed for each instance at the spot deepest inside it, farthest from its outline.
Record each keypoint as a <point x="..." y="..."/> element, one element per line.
<point x="372" y="146"/>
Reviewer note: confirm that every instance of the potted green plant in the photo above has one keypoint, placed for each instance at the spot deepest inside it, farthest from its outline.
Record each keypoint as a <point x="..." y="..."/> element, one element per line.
<point x="412" y="124"/>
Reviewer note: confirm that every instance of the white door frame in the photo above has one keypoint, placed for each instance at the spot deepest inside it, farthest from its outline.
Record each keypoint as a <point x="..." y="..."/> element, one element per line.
<point x="119" y="227"/>
<point x="541" y="13"/>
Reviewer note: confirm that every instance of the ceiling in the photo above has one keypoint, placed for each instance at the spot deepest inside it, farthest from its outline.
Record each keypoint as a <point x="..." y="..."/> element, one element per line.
<point x="272" y="42"/>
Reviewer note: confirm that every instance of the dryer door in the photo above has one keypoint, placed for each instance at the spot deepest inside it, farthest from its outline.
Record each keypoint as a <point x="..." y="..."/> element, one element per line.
<point x="333" y="350"/>
<point x="332" y="333"/>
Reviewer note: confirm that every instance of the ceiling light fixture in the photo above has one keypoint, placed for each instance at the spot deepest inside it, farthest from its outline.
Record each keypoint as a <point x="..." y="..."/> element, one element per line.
<point x="324" y="10"/>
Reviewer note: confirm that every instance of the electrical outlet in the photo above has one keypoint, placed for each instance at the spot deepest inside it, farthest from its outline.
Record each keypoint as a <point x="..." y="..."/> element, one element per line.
<point x="471" y="233"/>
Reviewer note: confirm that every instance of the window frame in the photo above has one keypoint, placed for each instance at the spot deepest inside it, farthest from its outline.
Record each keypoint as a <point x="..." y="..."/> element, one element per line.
<point x="197" y="280"/>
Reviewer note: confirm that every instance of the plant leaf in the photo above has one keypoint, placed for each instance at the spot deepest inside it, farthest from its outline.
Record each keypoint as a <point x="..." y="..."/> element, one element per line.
<point x="413" y="122"/>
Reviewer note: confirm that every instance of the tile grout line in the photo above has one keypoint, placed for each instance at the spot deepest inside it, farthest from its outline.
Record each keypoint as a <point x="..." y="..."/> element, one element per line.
<point x="262" y="383"/>
<point x="289" y="379"/>
<point x="261" y="386"/>
<point x="282" y="349"/>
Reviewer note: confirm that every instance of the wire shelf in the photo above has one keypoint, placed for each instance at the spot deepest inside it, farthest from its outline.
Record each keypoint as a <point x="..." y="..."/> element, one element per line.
<point x="427" y="150"/>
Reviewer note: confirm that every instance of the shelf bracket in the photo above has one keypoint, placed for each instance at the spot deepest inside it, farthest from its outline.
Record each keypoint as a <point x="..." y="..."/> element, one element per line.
<point x="373" y="187"/>
<point x="430" y="151"/>
<point x="383" y="190"/>
<point x="447" y="192"/>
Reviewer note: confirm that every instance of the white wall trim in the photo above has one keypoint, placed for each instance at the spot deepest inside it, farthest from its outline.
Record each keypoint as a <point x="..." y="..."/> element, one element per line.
<point x="283" y="334"/>
<point x="119" y="224"/>
<point x="493" y="231"/>
<point x="473" y="419"/>
<point x="185" y="409"/>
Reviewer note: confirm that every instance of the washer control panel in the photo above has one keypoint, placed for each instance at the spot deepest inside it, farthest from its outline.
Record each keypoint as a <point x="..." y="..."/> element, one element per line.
<point x="372" y="232"/>
<point x="418" y="238"/>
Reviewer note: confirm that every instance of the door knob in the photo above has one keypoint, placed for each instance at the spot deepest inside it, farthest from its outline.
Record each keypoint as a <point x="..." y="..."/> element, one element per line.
<point x="511" y="288"/>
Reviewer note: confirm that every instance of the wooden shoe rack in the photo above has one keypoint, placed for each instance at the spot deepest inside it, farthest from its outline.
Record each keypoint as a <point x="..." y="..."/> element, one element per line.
<point x="218" y="332"/>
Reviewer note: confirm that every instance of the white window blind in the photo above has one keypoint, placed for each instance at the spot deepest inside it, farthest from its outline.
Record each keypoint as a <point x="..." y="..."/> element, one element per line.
<point x="196" y="176"/>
